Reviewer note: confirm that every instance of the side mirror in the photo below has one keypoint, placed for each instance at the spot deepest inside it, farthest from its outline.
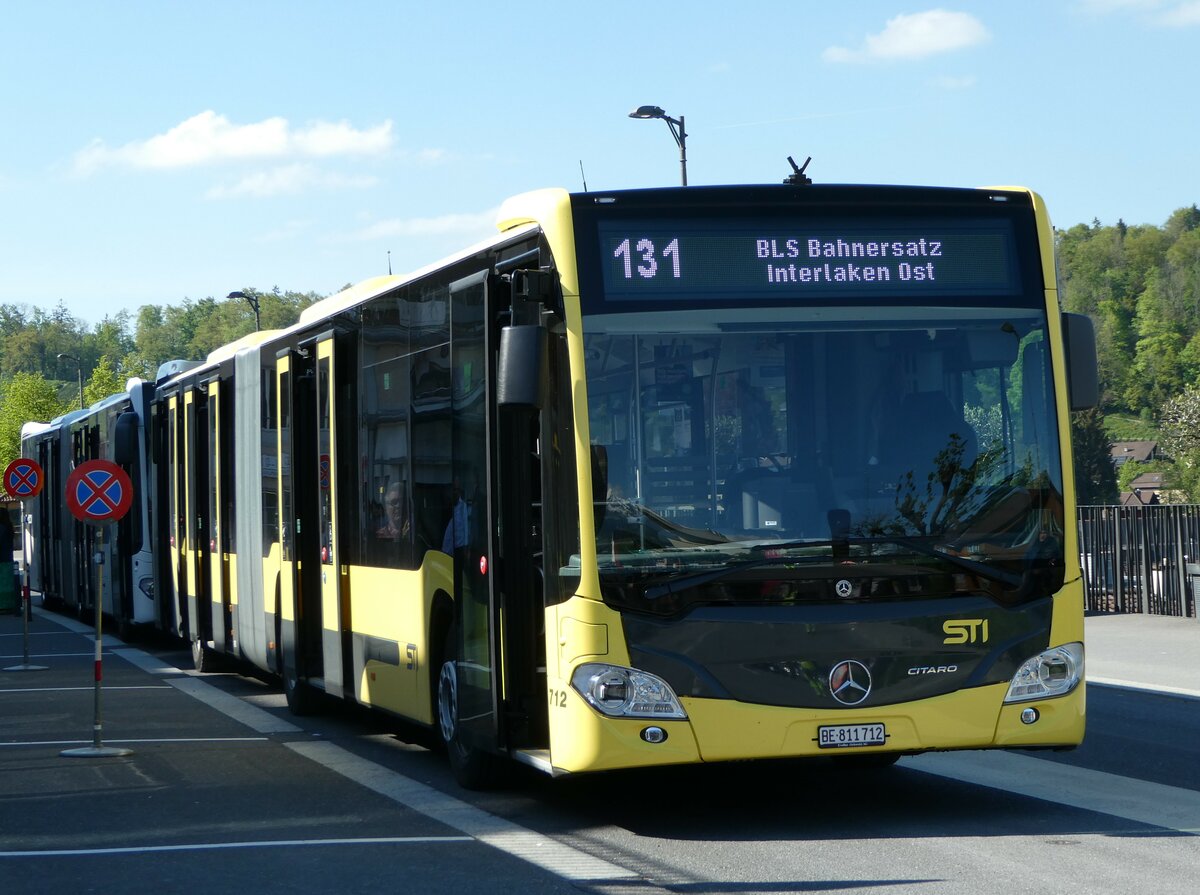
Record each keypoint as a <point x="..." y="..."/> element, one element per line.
<point x="1083" y="372"/>
<point x="522" y="368"/>
<point x="125" y="439"/>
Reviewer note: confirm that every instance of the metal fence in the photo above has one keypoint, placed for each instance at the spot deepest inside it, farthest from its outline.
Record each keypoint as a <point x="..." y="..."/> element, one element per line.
<point x="1141" y="559"/>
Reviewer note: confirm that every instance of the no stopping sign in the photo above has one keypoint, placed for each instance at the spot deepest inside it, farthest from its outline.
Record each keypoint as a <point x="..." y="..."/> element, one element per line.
<point x="99" y="492"/>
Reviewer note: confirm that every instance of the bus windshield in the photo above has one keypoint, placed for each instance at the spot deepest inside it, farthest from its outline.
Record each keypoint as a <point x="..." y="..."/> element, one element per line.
<point x="751" y="453"/>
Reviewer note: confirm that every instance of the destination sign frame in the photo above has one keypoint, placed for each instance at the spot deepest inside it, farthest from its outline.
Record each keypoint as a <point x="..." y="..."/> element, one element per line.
<point x="780" y="258"/>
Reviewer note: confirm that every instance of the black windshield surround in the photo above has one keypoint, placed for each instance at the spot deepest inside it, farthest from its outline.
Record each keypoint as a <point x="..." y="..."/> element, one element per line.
<point x="888" y="444"/>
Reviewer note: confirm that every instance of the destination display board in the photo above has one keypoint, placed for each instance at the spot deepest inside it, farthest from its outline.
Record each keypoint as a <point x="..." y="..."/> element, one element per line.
<point x="825" y="260"/>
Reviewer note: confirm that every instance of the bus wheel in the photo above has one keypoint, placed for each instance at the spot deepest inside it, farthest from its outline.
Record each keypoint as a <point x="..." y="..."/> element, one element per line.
<point x="473" y="768"/>
<point x="301" y="698"/>
<point x="205" y="660"/>
<point x="126" y="630"/>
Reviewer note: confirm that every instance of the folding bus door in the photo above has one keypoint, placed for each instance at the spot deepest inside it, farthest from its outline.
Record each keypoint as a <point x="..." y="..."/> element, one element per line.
<point x="195" y="420"/>
<point x="301" y="632"/>
<point x="331" y="454"/>
<point x="219" y="475"/>
<point x="493" y="534"/>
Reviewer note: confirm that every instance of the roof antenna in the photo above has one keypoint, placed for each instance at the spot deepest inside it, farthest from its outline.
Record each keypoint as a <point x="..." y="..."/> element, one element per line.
<point x="798" y="177"/>
<point x="389" y="262"/>
<point x="583" y="176"/>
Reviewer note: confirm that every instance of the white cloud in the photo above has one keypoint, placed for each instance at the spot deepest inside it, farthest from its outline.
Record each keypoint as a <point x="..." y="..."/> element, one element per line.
<point x="289" y="179"/>
<point x="325" y="139"/>
<point x="210" y="138"/>
<point x="1183" y="15"/>
<point x="915" y="36"/>
<point x="1156" y="12"/>
<point x="1103" y="7"/>
<point x="476" y="225"/>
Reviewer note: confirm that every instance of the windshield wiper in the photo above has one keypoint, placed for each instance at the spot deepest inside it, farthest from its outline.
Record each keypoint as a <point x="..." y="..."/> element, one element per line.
<point x="695" y="579"/>
<point x="768" y="555"/>
<point x="969" y="565"/>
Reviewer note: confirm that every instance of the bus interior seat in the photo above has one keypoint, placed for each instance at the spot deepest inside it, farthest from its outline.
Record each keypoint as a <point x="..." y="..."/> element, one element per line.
<point x="929" y="422"/>
<point x="773" y="501"/>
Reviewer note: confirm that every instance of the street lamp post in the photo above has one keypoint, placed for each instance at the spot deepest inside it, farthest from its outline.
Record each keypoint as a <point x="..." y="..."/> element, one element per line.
<point x="78" y="374"/>
<point x="677" y="131"/>
<point x="251" y="300"/>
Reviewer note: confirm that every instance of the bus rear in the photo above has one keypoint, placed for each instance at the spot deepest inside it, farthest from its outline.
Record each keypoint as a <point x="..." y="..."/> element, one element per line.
<point x="828" y="456"/>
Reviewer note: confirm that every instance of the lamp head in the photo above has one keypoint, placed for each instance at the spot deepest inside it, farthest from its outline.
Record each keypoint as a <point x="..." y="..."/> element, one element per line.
<point x="647" y="112"/>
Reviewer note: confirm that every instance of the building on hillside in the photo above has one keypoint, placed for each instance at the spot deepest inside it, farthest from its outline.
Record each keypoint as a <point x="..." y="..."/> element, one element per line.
<point x="1146" y="490"/>
<point x="1123" y="452"/>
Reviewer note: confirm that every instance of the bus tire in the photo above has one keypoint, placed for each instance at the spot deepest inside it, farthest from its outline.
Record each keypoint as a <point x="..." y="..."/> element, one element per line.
<point x="205" y="660"/>
<point x="301" y="698"/>
<point x="473" y="768"/>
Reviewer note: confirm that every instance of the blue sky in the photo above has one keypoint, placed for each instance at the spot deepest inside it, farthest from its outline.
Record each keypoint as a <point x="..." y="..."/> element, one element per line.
<point x="159" y="151"/>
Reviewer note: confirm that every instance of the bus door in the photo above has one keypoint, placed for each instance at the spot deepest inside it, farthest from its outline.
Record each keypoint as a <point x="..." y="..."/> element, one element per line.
<point x="48" y="515"/>
<point x="330" y="449"/>
<point x="218" y="551"/>
<point x="302" y="655"/>
<point x="79" y="591"/>
<point x="177" y="514"/>
<point x="127" y="531"/>
<point x="491" y="530"/>
<point x="195" y="440"/>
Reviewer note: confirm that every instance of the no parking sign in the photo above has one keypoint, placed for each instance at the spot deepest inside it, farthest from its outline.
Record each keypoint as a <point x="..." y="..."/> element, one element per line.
<point x="23" y="479"/>
<point x="99" y="492"/>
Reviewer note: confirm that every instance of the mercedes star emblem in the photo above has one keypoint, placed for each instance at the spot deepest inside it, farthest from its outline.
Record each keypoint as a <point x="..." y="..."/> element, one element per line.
<point x="849" y="682"/>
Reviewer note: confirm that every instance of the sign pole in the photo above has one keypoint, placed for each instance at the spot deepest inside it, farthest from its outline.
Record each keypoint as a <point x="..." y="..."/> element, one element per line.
<point x="22" y="479"/>
<point x="25" y="613"/>
<point x="98" y="492"/>
<point x="97" y="749"/>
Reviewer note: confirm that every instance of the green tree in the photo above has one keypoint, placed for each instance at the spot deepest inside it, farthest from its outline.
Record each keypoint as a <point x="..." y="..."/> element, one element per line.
<point x="26" y="397"/>
<point x="104" y="381"/>
<point x="1179" y="437"/>
<point x="1095" y="477"/>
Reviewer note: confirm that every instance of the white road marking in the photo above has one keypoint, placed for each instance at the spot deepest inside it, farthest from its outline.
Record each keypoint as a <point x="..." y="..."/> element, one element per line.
<point x="146" y="662"/>
<point x="72" y="689"/>
<point x="1156" y="804"/>
<point x="239" y="710"/>
<point x="1142" y="688"/>
<point x="211" y="846"/>
<point x="542" y="851"/>
<point x="159" y="740"/>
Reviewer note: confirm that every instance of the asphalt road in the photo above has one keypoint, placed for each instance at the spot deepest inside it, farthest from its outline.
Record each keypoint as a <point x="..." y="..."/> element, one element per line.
<point x="224" y="789"/>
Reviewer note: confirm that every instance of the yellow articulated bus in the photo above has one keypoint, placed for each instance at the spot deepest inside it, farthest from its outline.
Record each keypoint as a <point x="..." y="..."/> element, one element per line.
<point x="659" y="477"/>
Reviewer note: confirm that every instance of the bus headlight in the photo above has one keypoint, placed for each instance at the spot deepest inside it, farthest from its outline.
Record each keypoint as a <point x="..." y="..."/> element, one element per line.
<point x="626" y="692"/>
<point x="1054" y="672"/>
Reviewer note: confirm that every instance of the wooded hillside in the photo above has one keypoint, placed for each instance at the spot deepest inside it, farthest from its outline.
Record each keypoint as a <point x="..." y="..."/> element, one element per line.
<point x="1141" y="287"/>
<point x="1139" y="284"/>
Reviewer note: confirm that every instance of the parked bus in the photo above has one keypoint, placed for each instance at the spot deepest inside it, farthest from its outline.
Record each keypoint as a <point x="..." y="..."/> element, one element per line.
<point x="61" y="550"/>
<point x="659" y="477"/>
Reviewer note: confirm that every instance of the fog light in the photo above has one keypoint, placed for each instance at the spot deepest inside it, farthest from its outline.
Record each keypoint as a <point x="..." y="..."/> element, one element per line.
<point x="1029" y="716"/>
<point x="654" y="735"/>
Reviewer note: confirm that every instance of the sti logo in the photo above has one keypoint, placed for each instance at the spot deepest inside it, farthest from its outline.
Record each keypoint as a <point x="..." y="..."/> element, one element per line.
<point x="965" y="630"/>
